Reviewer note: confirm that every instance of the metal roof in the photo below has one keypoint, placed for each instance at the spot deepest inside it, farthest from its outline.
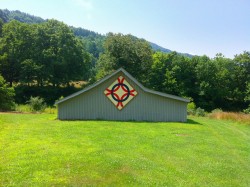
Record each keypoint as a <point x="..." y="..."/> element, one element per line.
<point x="129" y="76"/>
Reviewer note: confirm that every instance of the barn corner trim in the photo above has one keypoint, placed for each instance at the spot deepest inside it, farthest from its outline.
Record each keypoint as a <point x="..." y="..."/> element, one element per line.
<point x="130" y="77"/>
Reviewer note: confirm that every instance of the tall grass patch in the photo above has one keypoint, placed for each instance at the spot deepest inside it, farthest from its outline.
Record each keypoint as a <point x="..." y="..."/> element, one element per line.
<point x="27" y="109"/>
<point x="233" y="116"/>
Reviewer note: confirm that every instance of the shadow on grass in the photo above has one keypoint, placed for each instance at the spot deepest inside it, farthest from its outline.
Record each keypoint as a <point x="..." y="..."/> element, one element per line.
<point x="192" y="122"/>
<point x="189" y="121"/>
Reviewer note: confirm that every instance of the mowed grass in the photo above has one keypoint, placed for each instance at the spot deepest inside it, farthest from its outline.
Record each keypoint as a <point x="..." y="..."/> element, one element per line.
<point x="38" y="150"/>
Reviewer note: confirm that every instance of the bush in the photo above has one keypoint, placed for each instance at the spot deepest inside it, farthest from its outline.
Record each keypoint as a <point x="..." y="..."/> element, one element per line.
<point x="6" y="96"/>
<point x="247" y="111"/>
<point x="27" y="109"/>
<point x="23" y="108"/>
<point x="217" y="110"/>
<point x="200" y="112"/>
<point x="50" y="110"/>
<point x="191" y="108"/>
<point x="37" y="104"/>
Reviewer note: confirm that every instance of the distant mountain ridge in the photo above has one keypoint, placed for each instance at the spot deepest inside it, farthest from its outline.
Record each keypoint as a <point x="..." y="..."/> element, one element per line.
<point x="164" y="50"/>
<point x="7" y="15"/>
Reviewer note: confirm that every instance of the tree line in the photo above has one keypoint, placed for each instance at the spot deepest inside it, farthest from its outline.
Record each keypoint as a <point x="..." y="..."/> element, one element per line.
<point x="210" y="83"/>
<point x="43" y="59"/>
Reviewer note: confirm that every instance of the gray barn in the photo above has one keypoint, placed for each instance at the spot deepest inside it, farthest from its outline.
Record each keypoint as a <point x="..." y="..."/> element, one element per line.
<point x="119" y="96"/>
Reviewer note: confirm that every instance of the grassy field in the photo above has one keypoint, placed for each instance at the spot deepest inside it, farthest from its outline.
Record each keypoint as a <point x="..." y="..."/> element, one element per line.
<point x="38" y="150"/>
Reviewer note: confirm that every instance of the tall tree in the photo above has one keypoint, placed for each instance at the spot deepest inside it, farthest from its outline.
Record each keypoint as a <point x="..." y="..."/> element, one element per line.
<point x="161" y="76"/>
<point x="174" y="74"/>
<point x="133" y="54"/>
<point x="206" y="80"/>
<point x="240" y="76"/>
<point x="63" y="54"/>
<point x="158" y="71"/>
<point x="56" y="55"/>
<point x="14" y="48"/>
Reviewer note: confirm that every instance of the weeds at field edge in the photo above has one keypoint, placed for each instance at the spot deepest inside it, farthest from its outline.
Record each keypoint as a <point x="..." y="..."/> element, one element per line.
<point x="233" y="116"/>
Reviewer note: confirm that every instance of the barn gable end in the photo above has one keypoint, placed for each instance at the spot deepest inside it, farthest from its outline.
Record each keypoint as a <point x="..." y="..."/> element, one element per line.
<point x="148" y="105"/>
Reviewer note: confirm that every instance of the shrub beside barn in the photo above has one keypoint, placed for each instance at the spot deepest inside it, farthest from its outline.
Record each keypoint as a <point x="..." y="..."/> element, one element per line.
<point x="119" y="96"/>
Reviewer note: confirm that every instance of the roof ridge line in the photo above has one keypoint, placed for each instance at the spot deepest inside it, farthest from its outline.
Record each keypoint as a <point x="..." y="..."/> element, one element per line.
<point x="132" y="78"/>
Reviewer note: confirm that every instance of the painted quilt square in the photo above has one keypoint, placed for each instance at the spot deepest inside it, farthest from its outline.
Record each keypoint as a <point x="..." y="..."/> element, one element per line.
<point x="120" y="92"/>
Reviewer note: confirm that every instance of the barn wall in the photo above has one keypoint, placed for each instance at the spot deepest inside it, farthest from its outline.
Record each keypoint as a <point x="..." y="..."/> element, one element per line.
<point x="93" y="104"/>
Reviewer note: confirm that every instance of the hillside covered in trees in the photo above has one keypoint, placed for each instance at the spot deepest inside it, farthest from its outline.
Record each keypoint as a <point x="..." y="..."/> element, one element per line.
<point x="48" y="58"/>
<point x="93" y="40"/>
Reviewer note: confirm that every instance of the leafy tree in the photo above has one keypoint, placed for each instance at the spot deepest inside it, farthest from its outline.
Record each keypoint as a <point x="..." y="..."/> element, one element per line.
<point x="29" y="71"/>
<point x="63" y="56"/>
<point x="170" y="84"/>
<point x="206" y="80"/>
<point x="14" y="48"/>
<point x="45" y="53"/>
<point x="105" y="65"/>
<point x="173" y="73"/>
<point x="247" y="98"/>
<point x="133" y="54"/>
<point x="183" y="69"/>
<point x="158" y="71"/>
<point x="242" y="70"/>
<point x="6" y="96"/>
<point x="93" y="45"/>
<point x="223" y="74"/>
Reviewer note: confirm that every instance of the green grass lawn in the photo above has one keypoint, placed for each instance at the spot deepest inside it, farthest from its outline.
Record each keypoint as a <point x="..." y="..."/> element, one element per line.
<point x="38" y="150"/>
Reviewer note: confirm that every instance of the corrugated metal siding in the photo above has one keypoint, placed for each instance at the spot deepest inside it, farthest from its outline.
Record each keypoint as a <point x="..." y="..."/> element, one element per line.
<point x="93" y="104"/>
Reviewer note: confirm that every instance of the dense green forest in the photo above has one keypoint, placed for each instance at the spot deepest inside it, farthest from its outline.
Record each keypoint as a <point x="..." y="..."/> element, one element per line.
<point x="48" y="58"/>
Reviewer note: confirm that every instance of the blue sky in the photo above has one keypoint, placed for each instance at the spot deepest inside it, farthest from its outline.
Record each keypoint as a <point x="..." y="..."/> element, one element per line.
<point x="195" y="26"/>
